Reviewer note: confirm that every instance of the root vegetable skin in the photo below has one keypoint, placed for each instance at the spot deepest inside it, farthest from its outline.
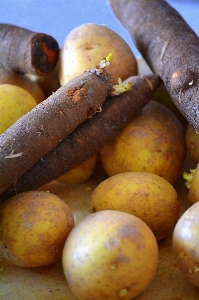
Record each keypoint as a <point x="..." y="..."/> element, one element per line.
<point x="25" y="51"/>
<point x="40" y="130"/>
<point x="90" y="136"/>
<point x="170" y="47"/>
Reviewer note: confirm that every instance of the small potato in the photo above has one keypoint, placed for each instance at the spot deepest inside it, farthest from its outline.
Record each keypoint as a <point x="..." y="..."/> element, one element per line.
<point x="154" y="142"/>
<point x="145" y="195"/>
<point x="110" y="255"/>
<point x="87" y="44"/>
<point x="186" y="244"/>
<point x="33" y="228"/>
<point x="24" y="82"/>
<point x="80" y="173"/>
<point x="14" y="103"/>
<point x="192" y="142"/>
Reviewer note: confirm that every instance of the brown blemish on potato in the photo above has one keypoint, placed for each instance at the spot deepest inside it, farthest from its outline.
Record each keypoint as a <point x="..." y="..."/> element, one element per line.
<point x="112" y="243"/>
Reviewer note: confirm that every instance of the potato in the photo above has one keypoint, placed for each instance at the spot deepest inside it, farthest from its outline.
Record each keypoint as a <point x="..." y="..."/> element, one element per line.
<point x="33" y="228"/>
<point x="24" y="82"/>
<point x="110" y="255"/>
<point x="87" y="44"/>
<point x="80" y="173"/>
<point x="145" y="195"/>
<point x="14" y="103"/>
<point x="192" y="142"/>
<point x="186" y="244"/>
<point x="193" y="184"/>
<point x="154" y="142"/>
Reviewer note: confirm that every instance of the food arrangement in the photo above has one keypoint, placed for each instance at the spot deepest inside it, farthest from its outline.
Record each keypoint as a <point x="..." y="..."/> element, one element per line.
<point x="94" y="203"/>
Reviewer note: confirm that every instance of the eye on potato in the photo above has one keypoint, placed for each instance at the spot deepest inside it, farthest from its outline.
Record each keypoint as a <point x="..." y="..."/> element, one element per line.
<point x="33" y="228"/>
<point x="154" y="142"/>
<point x="186" y="244"/>
<point x="110" y="255"/>
<point x="87" y="44"/>
<point x="145" y="195"/>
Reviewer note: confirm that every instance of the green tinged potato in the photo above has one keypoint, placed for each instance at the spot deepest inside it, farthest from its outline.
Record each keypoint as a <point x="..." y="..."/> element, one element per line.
<point x="145" y="195"/>
<point x="110" y="255"/>
<point x="154" y="142"/>
<point x="186" y="244"/>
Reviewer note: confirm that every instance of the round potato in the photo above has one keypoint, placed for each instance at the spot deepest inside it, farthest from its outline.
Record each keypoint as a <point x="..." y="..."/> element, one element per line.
<point x="154" y="142"/>
<point x="186" y="244"/>
<point x="14" y="103"/>
<point x="145" y="195"/>
<point x="110" y="255"/>
<point x="24" y="82"/>
<point x="33" y="228"/>
<point x="87" y="44"/>
<point x="80" y="173"/>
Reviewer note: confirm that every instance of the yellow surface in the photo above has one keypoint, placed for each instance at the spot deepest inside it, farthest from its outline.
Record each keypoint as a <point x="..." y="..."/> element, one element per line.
<point x="49" y="283"/>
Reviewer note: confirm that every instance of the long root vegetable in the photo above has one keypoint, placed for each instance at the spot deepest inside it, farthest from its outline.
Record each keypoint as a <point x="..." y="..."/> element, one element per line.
<point x="25" y="51"/>
<point x="170" y="47"/>
<point x="40" y="130"/>
<point x="90" y="136"/>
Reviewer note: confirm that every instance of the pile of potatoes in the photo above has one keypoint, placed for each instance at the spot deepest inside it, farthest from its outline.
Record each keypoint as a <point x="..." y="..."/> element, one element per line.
<point x="132" y="210"/>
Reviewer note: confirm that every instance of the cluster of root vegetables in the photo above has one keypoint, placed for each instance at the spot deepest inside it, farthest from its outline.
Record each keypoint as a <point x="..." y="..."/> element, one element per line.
<point x="94" y="106"/>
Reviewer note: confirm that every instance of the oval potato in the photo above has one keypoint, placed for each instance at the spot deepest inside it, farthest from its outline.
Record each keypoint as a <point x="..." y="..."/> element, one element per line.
<point x="110" y="255"/>
<point x="145" y="195"/>
<point x="87" y="44"/>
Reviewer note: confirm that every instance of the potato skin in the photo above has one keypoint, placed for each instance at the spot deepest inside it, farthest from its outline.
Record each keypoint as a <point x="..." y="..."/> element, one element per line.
<point x="186" y="244"/>
<point x="145" y="195"/>
<point x="33" y="228"/>
<point x="87" y="44"/>
<point x="192" y="142"/>
<point x="110" y="255"/>
<point x="154" y="142"/>
<point x="80" y="173"/>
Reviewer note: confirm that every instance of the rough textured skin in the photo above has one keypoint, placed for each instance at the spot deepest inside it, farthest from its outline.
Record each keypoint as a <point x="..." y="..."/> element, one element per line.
<point x="87" y="139"/>
<point x="26" y="51"/>
<point x="40" y="130"/>
<point x="170" y="47"/>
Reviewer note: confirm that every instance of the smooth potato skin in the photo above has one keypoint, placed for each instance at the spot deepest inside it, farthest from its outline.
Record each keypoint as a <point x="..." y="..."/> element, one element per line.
<point x="186" y="244"/>
<point x="192" y="142"/>
<point x="81" y="172"/>
<point x="145" y="195"/>
<point x="33" y="228"/>
<point x="87" y="44"/>
<point x="154" y="142"/>
<point x="110" y="255"/>
<point x="14" y="103"/>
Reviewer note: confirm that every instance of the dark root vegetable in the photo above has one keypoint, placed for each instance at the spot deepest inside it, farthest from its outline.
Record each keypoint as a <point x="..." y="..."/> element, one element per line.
<point x="90" y="136"/>
<point x="170" y="47"/>
<point x="25" y="51"/>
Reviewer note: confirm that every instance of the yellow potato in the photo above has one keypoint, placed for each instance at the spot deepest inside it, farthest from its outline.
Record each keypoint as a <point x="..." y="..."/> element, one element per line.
<point x="33" y="228"/>
<point x="110" y="255"/>
<point x="154" y="142"/>
<point x="14" y="103"/>
<point x="192" y="142"/>
<point x="80" y="173"/>
<point x="145" y="195"/>
<point x="24" y="82"/>
<point x="186" y="244"/>
<point x="87" y="44"/>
